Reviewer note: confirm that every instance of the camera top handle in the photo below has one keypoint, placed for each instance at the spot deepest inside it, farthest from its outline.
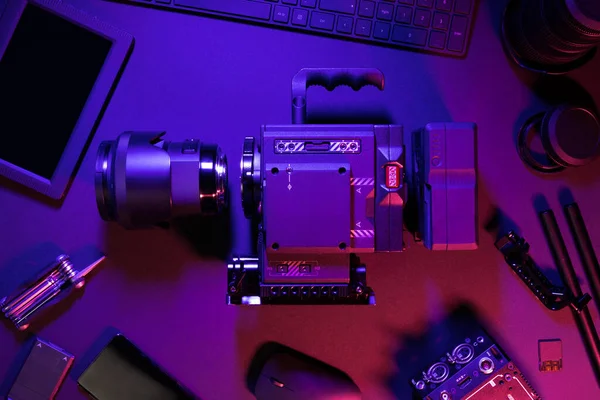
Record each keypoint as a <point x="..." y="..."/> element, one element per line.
<point x="329" y="78"/>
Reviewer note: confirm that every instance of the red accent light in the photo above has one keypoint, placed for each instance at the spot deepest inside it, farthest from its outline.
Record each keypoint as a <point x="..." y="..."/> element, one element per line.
<point x="393" y="175"/>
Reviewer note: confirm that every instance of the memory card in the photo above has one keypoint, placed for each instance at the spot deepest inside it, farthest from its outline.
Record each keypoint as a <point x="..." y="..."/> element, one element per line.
<point x="550" y="355"/>
<point x="42" y="374"/>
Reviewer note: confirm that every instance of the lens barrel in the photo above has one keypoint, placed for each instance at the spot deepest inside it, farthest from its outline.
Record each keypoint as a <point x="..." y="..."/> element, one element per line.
<point x="552" y="36"/>
<point x="142" y="180"/>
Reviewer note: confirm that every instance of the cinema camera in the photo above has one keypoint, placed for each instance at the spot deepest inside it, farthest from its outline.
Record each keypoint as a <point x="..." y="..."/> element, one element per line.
<point x="320" y="195"/>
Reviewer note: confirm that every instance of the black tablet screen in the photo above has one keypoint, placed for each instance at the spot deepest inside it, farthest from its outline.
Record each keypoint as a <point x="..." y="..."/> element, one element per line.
<point x="46" y="75"/>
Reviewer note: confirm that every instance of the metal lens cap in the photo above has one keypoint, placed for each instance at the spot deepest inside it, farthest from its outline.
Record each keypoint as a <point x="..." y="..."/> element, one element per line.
<point x="574" y="134"/>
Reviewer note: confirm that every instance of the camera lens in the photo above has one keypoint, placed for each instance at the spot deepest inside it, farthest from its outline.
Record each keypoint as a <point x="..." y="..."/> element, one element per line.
<point x="553" y="36"/>
<point x="142" y="180"/>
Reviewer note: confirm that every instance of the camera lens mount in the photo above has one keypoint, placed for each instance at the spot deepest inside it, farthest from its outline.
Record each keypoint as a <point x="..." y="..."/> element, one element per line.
<point x="251" y="178"/>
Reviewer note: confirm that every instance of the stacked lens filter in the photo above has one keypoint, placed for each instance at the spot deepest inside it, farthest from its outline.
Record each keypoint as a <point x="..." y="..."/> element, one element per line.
<point x="553" y="36"/>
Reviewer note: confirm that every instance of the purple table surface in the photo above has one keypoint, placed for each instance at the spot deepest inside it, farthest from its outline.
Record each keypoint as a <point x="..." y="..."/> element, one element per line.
<point x="219" y="81"/>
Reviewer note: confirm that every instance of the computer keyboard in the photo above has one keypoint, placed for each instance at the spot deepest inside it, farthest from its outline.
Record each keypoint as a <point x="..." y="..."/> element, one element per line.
<point x="434" y="26"/>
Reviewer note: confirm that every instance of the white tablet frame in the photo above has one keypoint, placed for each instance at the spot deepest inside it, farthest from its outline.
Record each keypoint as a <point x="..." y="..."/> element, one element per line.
<point x="122" y="44"/>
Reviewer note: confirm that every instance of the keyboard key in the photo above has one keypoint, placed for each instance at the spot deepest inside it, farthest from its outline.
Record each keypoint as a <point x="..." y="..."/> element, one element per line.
<point x="437" y="40"/>
<point x="322" y="21"/>
<point x="422" y="18"/>
<point x="344" y="24"/>
<point x="425" y="3"/>
<point x="409" y="2"/>
<point x="164" y="1"/>
<point x="463" y="6"/>
<point x="281" y="14"/>
<point x="408" y="35"/>
<point x="382" y="30"/>
<point x="441" y="21"/>
<point x="404" y="15"/>
<point x="363" y="27"/>
<point x="444" y="5"/>
<point x="341" y="6"/>
<point x="243" y="8"/>
<point x="300" y="17"/>
<point x="290" y="2"/>
<point x="385" y="12"/>
<point x="458" y="33"/>
<point x="366" y="9"/>
<point x="308" y="3"/>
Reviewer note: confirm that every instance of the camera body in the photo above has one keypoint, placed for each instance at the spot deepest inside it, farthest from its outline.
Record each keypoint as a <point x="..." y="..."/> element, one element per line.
<point x="322" y="195"/>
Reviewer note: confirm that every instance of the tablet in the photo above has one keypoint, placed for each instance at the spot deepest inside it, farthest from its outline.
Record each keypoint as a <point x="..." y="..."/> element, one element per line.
<point x="58" y="67"/>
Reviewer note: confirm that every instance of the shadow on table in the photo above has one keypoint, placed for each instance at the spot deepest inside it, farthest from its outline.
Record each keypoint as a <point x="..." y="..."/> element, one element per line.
<point x="418" y="352"/>
<point x="350" y="115"/>
<point x="499" y="224"/>
<point x="16" y="365"/>
<point x="495" y="13"/>
<point x="209" y="236"/>
<point x="152" y="254"/>
<point x="92" y="352"/>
